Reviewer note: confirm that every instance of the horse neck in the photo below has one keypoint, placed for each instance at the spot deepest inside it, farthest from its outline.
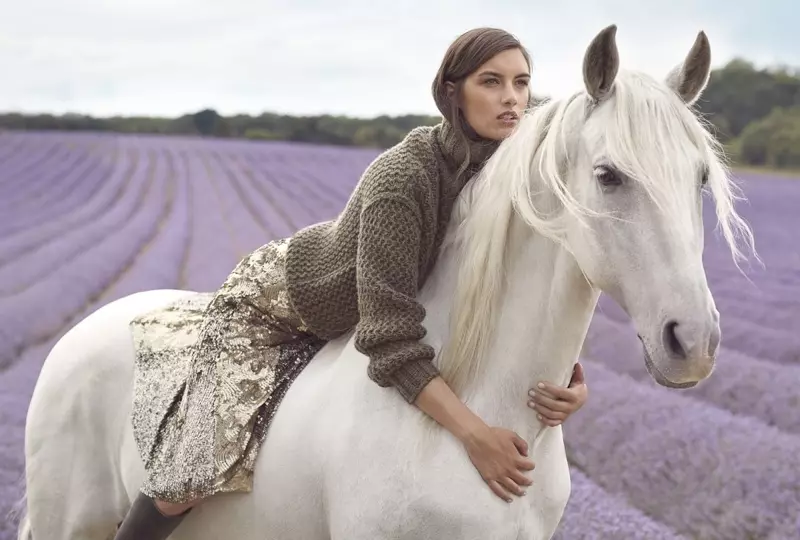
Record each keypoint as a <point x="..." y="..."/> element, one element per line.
<point x="544" y="313"/>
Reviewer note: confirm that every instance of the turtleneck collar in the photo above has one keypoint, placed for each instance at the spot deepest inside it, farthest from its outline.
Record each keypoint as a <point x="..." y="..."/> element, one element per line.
<point x="454" y="148"/>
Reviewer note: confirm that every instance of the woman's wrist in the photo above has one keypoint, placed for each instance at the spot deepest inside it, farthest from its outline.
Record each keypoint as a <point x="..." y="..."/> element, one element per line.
<point x="439" y="402"/>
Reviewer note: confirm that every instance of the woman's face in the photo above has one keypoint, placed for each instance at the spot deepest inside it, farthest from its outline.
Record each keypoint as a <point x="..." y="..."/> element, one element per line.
<point x="495" y="95"/>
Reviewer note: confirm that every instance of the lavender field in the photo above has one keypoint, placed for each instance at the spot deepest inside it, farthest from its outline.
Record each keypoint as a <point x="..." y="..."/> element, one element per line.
<point x="88" y="218"/>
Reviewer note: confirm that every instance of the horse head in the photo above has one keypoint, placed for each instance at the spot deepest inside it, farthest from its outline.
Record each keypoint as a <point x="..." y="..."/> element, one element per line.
<point x="639" y="165"/>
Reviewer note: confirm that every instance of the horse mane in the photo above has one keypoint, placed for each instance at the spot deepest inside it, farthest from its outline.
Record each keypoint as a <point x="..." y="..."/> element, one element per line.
<point x="534" y="160"/>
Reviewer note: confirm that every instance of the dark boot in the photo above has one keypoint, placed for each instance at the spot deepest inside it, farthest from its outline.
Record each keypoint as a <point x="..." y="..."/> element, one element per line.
<point x="146" y="522"/>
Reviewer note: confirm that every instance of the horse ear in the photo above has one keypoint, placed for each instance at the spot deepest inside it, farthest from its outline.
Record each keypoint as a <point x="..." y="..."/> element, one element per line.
<point x="690" y="78"/>
<point x="601" y="63"/>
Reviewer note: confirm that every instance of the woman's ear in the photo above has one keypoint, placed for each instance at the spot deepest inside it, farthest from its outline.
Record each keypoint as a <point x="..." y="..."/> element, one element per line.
<point x="451" y="89"/>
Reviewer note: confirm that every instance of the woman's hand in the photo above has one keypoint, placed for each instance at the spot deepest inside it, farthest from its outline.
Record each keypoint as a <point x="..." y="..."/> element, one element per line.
<point x="554" y="403"/>
<point x="499" y="456"/>
<point x="497" y="453"/>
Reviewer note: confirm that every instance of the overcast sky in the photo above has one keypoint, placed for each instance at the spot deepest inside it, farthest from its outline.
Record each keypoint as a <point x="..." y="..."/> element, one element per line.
<point x="354" y="57"/>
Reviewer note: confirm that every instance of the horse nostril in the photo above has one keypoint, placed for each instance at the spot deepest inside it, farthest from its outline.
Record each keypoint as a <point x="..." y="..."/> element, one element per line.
<point x="671" y="341"/>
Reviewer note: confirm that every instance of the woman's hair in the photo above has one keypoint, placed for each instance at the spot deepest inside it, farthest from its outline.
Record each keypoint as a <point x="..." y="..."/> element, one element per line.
<point x="467" y="53"/>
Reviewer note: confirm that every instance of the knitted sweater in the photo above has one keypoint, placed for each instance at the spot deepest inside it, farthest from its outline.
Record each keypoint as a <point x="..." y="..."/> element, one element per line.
<point x="365" y="268"/>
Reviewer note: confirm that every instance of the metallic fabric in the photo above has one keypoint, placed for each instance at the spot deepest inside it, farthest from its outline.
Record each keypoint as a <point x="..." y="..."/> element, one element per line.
<point x="210" y="372"/>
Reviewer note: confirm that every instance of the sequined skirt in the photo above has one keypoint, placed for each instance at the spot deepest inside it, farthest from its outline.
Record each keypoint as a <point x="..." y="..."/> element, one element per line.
<point x="210" y="372"/>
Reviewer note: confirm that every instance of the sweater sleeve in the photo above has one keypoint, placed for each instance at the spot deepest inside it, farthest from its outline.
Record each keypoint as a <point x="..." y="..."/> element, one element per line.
<point x="390" y="323"/>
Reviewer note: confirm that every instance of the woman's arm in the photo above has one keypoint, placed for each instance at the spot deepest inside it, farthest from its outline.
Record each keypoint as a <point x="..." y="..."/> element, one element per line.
<point x="390" y="323"/>
<point x="439" y="402"/>
<point x="390" y="330"/>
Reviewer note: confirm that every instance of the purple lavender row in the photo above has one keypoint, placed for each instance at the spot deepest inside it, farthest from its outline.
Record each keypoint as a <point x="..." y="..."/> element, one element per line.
<point x="244" y="205"/>
<point x="778" y="254"/>
<point x="284" y="185"/>
<point x="284" y="214"/>
<point x="154" y="267"/>
<point x="160" y="263"/>
<point x="766" y="198"/>
<point x="774" y="274"/>
<point x="768" y="285"/>
<point x="36" y="265"/>
<point x="41" y="180"/>
<point x="70" y="191"/>
<point x="778" y="315"/>
<point x="771" y="248"/>
<point x="212" y="251"/>
<point x="594" y="514"/>
<point x="758" y="326"/>
<point x="209" y="263"/>
<point x="760" y="341"/>
<point x="48" y="305"/>
<point x="786" y="530"/>
<point x="9" y="148"/>
<point x="74" y="186"/>
<point x="756" y="330"/>
<point x="16" y="388"/>
<point x="277" y="220"/>
<point x="21" y="175"/>
<point x="313" y="205"/>
<point x="776" y="192"/>
<point x="47" y="175"/>
<point x="306" y="154"/>
<point x="701" y="470"/>
<point x="741" y="384"/>
<point x="777" y="261"/>
<point x="334" y="171"/>
<point x="766" y="282"/>
<point x="343" y="176"/>
<point x="286" y="175"/>
<point x="323" y="196"/>
<point x="26" y="154"/>
<point x="100" y="203"/>
<point x="765" y="192"/>
<point x="287" y="211"/>
<point x="766" y="233"/>
<point x="743" y="330"/>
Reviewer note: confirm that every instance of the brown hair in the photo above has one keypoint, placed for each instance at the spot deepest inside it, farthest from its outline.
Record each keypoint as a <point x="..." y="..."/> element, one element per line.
<point x="467" y="53"/>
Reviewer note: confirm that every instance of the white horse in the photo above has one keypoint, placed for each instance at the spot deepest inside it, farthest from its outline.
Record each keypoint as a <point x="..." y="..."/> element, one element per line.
<point x="600" y="192"/>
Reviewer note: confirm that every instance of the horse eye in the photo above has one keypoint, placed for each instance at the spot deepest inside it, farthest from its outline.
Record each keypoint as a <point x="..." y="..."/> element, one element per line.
<point x="607" y="177"/>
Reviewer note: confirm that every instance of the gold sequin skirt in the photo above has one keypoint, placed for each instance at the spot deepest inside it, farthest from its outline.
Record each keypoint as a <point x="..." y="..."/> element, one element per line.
<point x="210" y="371"/>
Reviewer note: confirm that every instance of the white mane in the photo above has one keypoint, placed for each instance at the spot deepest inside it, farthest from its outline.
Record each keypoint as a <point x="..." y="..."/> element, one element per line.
<point x="649" y="123"/>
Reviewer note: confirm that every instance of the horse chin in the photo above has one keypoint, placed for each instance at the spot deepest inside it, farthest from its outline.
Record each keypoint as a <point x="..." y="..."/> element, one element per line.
<point x="659" y="377"/>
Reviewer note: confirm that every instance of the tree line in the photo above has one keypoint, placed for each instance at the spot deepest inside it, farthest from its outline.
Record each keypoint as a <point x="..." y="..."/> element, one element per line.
<point x="754" y="111"/>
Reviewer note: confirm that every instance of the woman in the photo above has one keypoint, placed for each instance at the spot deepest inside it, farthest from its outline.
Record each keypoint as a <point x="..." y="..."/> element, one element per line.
<point x="363" y="270"/>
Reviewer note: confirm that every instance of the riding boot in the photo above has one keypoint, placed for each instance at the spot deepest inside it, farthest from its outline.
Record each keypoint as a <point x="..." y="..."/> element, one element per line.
<point x="145" y="521"/>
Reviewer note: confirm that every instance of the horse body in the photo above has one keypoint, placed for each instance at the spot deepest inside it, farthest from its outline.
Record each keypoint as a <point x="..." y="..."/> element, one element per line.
<point x="343" y="457"/>
<point x="508" y="304"/>
<point x="360" y="449"/>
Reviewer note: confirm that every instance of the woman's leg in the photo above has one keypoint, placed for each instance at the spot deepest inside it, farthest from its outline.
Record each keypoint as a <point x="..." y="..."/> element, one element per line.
<point x="174" y="509"/>
<point x="249" y="343"/>
<point x="147" y="521"/>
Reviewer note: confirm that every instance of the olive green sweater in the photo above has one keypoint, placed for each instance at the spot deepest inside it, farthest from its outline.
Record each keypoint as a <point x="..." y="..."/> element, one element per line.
<point x="364" y="268"/>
